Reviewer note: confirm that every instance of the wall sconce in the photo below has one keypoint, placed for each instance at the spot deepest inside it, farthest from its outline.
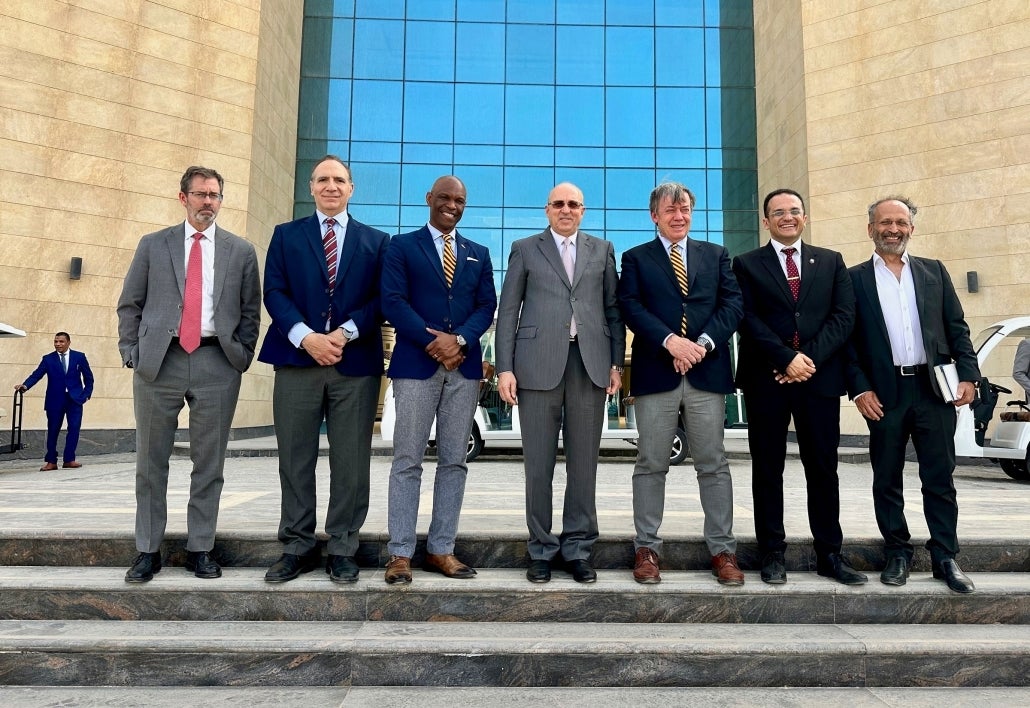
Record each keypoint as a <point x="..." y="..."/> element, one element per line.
<point x="75" y="270"/>
<point x="972" y="281"/>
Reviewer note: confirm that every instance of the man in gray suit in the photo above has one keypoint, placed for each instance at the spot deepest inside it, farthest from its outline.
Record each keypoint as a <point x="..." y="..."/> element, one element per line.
<point x="187" y="325"/>
<point x="1021" y="366"/>
<point x="560" y="348"/>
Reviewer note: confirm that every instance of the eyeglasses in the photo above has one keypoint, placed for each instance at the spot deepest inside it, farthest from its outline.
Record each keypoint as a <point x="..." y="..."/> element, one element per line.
<point x="780" y="213"/>
<point x="213" y="196"/>
<point x="561" y="204"/>
<point x="887" y="223"/>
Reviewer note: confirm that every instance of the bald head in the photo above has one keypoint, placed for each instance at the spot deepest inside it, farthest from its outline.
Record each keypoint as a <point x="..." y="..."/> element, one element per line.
<point x="446" y="202"/>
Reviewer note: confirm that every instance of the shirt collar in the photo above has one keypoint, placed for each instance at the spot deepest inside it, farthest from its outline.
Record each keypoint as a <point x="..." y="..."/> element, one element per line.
<point x="209" y="232"/>
<point x="878" y="259"/>
<point x="668" y="244"/>
<point x="559" y="239"/>
<point x="341" y="218"/>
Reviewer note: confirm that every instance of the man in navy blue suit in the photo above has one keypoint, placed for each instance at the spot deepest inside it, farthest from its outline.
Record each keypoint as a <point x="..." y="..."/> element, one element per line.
<point x="438" y="293"/>
<point x="322" y="290"/>
<point x="69" y="385"/>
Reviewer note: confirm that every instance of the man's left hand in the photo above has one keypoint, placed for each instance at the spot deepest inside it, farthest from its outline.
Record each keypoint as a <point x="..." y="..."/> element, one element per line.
<point x="614" y="382"/>
<point x="966" y="391"/>
<point x="445" y="349"/>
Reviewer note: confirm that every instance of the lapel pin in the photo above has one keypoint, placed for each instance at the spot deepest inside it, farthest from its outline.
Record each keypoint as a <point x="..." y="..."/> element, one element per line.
<point x="811" y="260"/>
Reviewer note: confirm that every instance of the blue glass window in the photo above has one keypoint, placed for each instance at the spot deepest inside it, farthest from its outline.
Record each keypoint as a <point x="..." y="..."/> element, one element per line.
<point x="380" y="8"/>
<point x="535" y="11"/>
<point x="681" y="117"/>
<point x="529" y="55"/>
<point x="580" y="12"/>
<point x="630" y="13"/>
<point x="579" y="116"/>
<point x="429" y="112"/>
<point x="378" y="49"/>
<point x="628" y="188"/>
<point x="479" y="11"/>
<point x="527" y="186"/>
<point x="629" y="117"/>
<point x="377" y="114"/>
<point x="681" y="13"/>
<point x="429" y="51"/>
<point x="428" y="154"/>
<point x="431" y="10"/>
<point x="680" y="57"/>
<point x="629" y="56"/>
<point x="480" y="53"/>
<point x="529" y="115"/>
<point x="479" y="114"/>
<point x="580" y="56"/>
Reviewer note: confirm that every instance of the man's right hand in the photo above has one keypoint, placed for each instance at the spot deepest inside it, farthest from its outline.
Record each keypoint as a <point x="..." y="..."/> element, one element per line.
<point x="507" y="386"/>
<point x="20" y="387"/>
<point x="322" y="348"/>
<point x="869" y="405"/>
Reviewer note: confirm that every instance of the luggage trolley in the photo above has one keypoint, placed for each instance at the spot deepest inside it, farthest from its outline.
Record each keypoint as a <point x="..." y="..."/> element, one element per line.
<point x="16" y="413"/>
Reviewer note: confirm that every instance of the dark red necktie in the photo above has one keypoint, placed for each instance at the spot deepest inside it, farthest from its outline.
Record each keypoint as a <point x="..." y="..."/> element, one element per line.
<point x="329" y="246"/>
<point x="794" y="281"/>
<point x="189" y="327"/>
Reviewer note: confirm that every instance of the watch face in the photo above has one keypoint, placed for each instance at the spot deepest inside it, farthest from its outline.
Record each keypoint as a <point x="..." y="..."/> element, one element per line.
<point x="461" y="341"/>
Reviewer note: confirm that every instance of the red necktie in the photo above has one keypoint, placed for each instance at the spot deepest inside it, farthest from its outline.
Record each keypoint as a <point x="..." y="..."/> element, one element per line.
<point x="329" y="246"/>
<point x="189" y="328"/>
<point x="794" y="281"/>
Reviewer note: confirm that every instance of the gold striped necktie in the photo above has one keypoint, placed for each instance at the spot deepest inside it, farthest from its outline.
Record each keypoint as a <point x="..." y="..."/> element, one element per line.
<point x="681" y="275"/>
<point x="448" y="260"/>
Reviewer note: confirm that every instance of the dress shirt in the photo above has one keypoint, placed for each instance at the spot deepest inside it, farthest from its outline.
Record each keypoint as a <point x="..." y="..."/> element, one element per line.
<point x="782" y="257"/>
<point x="207" y="252"/>
<point x="438" y="242"/>
<point x="559" y="241"/>
<point x="900" y="312"/>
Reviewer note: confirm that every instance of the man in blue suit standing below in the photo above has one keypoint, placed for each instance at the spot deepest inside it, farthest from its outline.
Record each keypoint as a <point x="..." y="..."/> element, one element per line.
<point x="325" y="342"/>
<point x="69" y="386"/>
<point x="438" y="293"/>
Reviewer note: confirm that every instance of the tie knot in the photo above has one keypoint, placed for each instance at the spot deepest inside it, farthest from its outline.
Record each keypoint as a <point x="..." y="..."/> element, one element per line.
<point x="197" y="235"/>
<point x="330" y="222"/>
<point x="446" y="238"/>
<point x="788" y="252"/>
<point x="674" y="248"/>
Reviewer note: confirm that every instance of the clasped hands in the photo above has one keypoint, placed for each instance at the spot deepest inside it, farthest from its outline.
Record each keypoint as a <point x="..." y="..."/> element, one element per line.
<point x="445" y="349"/>
<point x="800" y="368"/>
<point x="326" y="349"/>
<point x="685" y="353"/>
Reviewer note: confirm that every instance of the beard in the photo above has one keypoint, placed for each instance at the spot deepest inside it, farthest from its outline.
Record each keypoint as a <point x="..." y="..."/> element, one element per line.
<point x="893" y="248"/>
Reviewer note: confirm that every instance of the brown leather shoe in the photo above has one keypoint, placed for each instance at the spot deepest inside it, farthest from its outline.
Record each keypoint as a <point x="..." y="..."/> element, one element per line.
<point x="73" y="465"/>
<point x="48" y="467"/>
<point x="645" y="567"/>
<point x="449" y="565"/>
<point x="725" y="568"/>
<point x="398" y="570"/>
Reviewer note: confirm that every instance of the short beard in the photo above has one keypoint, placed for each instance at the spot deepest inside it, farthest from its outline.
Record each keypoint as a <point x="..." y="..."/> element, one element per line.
<point x="891" y="248"/>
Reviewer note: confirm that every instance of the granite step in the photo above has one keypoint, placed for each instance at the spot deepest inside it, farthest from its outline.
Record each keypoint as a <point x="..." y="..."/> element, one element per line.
<point x="103" y="653"/>
<point x="503" y="595"/>
<point x="497" y="550"/>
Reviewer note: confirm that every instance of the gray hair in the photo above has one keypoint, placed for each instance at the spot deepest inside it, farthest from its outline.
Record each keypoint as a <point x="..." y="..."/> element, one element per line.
<point x="912" y="208"/>
<point x="675" y="192"/>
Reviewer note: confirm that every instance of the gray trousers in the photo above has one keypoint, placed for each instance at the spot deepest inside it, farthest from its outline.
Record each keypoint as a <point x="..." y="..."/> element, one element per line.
<point x="576" y="407"/>
<point x="211" y="386"/>
<point x="657" y="415"/>
<point x="301" y="399"/>
<point x="450" y="399"/>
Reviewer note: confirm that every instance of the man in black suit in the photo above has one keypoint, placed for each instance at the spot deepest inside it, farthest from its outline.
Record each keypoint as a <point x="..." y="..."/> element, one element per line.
<point x="891" y="380"/>
<point x="799" y="309"/>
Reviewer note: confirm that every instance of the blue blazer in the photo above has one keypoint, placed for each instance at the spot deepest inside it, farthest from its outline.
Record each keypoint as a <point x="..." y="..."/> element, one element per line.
<point x="416" y="296"/>
<point x="652" y="306"/>
<point x="78" y="381"/>
<point x="296" y="287"/>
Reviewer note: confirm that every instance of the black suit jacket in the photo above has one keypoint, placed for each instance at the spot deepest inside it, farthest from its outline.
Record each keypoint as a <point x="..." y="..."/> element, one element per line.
<point x="823" y="317"/>
<point x="944" y="330"/>
<point x="652" y="306"/>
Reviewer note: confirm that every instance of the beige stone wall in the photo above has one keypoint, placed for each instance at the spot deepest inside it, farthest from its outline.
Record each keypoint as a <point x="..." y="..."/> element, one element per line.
<point x="102" y="106"/>
<point x="928" y="99"/>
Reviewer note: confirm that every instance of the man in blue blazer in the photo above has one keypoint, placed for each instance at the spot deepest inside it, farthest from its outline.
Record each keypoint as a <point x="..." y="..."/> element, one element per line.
<point x="69" y="385"/>
<point x="322" y="291"/>
<point x="438" y="293"/>
<point x="682" y="313"/>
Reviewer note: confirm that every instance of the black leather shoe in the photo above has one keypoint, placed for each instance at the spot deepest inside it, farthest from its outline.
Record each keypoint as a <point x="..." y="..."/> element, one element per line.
<point x="342" y="569"/>
<point x="144" y="568"/>
<point x="774" y="568"/>
<point x="896" y="571"/>
<point x="581" y="571"/>
<point x="290" y="565"/>
<point x="202" y="565"/>
<point x="834" y="566"/>
<point x="950" y="573"/>
<point x="539" y="571"/>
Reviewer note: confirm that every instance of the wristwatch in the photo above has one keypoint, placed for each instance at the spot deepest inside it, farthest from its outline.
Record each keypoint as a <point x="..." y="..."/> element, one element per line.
<point x="462" y="343"/>
<point x="707" y="343"/>
<point x="617" y="369"/>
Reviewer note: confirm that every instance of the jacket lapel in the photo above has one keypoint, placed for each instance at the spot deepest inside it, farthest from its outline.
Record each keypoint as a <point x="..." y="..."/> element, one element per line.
<point x="656" y="249"/>
<point x="770" y="259"/>
<point x="461" y="254"/>
<point x="549" y="249"/>
<point x="175" y="239"/>
<point x="222" y="249"/>
<point x="866" y="287"/>
<point x="313" y="235"/>
<point x="427" y="244"/>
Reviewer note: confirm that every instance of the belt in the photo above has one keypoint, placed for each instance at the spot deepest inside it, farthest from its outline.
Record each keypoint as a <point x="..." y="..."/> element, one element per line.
<point x="204" y="341"/>
<point x="574" y="338"/>
<point x="910" y="370"/>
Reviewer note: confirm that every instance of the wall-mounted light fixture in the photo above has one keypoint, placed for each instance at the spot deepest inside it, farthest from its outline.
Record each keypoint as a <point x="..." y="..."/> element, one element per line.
<point x="972" y="281"/>
<point x="75" y="270"/>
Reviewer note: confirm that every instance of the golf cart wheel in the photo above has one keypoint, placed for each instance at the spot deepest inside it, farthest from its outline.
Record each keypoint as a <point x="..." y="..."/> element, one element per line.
<point x="1016" y="469"/>
<point x="680" y="450"/>
<point x="475" y="444"/>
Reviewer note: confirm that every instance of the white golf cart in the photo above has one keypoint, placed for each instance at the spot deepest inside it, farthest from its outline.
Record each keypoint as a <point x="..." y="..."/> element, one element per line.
<point x="1008" y="444"/>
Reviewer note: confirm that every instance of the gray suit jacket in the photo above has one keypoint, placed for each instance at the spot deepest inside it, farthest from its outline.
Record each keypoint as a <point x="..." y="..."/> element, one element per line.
<point x="537" y="305"/>
<point x="1021" y="365"/>
<point x="150" y="306"/>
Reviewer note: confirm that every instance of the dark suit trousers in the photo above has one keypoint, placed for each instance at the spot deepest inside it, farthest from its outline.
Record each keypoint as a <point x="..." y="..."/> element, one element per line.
<point x="301" y="398"/>
<point x="54" y="420"/>
<point x="817" y="423"/>
<point x="930" y="423"/>
<point x="576" y="407"/>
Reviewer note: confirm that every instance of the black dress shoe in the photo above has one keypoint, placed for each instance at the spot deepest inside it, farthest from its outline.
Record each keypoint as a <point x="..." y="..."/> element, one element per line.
<point x="948" y="571"/>
<point x="202" y="565"/>
<point x="290" y="565"/>
<point x="539" y="571"/>
<point x="834" y="566"/>
<point x="896" y="571"/>
<point x="581" y="571"/>
<point x="342" y="569"/>
<point x="144" y="568"/>
<point x="774" y="568"/>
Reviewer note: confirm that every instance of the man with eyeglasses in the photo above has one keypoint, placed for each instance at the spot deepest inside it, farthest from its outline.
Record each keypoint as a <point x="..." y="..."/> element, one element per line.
<point x="909" y="320"/>
<point x="799" y="310"/>
<point x="680" y="299"/>
<point x="188" y="319"/>
<point x="560" y="345"/>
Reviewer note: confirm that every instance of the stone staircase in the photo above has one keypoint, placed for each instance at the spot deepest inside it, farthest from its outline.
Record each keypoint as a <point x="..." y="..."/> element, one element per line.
<point x="83" y="626"/>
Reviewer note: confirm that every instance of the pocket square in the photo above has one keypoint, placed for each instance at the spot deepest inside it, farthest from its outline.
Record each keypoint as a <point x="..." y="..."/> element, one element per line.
<point x="470" y="258"/>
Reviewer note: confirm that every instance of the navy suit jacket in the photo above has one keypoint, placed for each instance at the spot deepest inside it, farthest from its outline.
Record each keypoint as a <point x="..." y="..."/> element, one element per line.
<point x="943" y="325"/>
<point x="823" y="317"/>
<point x="78" y="381"/>
<point x="652" y="306"/>
<point x="416" y="296"/>
<point x="296" y="287"/>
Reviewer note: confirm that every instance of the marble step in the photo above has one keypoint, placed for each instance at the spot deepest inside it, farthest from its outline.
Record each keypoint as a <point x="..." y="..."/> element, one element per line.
<point x="507" y="697"/>
<point x="504" y="595"/>
<point x="103" y="653"/>
<point x="501" y="550"/>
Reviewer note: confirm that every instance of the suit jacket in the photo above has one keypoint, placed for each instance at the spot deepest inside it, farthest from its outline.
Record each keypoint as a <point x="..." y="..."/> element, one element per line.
<point x="1021" y="365"/>
<point x="297" y="290"/>
<point x="77" y="382"/>
<point x="943" y="325"/>
<point x="538" y="303"/>
<point x="823" y="317"/>
<point x="150" y="305"/>
<point x="416" y="296"/>
<point x="652" y="306"/>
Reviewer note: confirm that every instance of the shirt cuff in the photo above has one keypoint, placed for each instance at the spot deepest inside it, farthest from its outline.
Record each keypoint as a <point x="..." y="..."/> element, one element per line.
<point x="297" y="334"/>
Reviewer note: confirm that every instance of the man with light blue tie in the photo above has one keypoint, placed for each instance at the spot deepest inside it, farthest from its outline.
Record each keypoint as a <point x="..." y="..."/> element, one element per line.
<point x="69" y="386"/>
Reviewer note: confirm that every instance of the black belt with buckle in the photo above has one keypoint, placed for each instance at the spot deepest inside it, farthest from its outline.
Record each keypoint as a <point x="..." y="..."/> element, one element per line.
<point x="204" y="341"/>
<point x="574" y="338"/>
<point x="910" y="370"/>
